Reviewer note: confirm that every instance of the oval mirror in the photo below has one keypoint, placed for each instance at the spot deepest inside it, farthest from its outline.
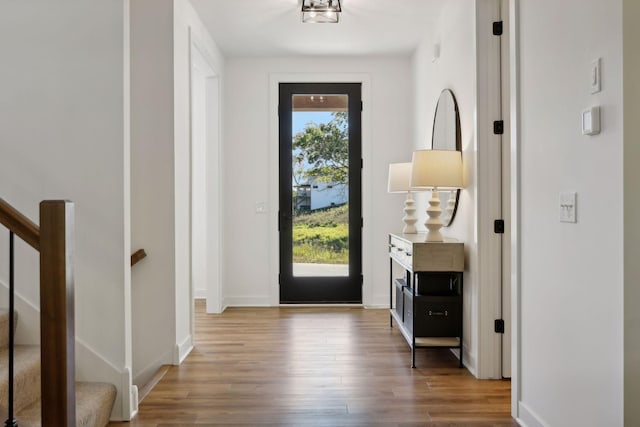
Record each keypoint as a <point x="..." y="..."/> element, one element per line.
<point x="446" y="136"/>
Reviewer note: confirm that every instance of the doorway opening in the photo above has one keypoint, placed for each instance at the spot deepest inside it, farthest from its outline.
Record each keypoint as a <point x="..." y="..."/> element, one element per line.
<point x="205" y="184"/>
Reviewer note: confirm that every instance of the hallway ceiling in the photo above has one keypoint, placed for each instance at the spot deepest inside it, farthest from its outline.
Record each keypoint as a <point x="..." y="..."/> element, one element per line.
<point x="273" y="27"/>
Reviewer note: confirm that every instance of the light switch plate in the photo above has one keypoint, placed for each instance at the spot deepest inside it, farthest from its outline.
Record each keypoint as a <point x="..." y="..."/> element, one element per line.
<point x="596" y="81"/>
<point x="568" y="207"/>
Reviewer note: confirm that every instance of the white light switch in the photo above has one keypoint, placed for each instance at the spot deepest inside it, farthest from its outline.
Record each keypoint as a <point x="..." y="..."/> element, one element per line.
<point x="596" y="84"/>
<point x="568" y="207"/>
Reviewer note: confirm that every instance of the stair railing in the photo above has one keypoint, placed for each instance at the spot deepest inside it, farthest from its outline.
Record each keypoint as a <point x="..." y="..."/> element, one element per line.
<point x="54" y="240"/>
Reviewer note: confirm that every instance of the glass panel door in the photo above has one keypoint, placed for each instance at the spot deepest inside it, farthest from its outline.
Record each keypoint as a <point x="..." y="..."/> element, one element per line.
<point x="320" y="179"/>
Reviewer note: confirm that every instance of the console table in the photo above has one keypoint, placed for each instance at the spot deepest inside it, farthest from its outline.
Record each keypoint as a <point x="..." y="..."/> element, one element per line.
<point x="428" y="309"/>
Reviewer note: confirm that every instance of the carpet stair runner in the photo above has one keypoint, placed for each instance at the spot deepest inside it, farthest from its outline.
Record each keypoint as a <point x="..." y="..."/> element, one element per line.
<point x="94" y="401"/>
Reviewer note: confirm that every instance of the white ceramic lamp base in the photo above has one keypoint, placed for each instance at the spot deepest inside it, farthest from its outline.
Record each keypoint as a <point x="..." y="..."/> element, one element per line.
<point x="410" y="217"/>
<point x="434" y="223"/>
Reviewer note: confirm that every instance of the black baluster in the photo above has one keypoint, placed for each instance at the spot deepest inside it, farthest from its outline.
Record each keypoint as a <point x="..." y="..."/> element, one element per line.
<point x="11" y="421"/>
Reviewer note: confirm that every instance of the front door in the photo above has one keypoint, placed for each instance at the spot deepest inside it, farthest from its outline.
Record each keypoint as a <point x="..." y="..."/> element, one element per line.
<point x="320" y="218"/>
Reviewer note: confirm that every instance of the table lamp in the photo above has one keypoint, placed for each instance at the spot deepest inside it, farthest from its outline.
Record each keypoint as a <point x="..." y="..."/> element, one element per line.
<point x="399" y="177"/>
<point x="436" y="169"/>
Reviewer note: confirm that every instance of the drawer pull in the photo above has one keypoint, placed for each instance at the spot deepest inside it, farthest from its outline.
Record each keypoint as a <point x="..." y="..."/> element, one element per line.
<point x="439" y="313"/>
<point x="400" y="250"/>
<point x="409" y="254"/>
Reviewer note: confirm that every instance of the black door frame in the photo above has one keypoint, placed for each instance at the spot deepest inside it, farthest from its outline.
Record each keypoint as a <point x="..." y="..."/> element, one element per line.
<point x="320" y="289"/>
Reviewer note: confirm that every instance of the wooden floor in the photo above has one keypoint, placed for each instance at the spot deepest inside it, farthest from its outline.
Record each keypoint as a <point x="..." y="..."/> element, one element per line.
<point x="317" y="367"/>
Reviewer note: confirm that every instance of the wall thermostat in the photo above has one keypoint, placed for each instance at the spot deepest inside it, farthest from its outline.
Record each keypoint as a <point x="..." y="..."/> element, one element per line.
<point x="591" y="121"/>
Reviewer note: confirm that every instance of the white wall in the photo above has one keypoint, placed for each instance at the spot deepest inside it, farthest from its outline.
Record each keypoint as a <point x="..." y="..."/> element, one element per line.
<point x="162" y="33"/>
<point x="631" y="18"/>
<point x="251" y="246"/>
<point x="64" y="134"/>
<point x="152" y="199"/>
<point x="571" y="274"/>
<point x="455" y="70"/>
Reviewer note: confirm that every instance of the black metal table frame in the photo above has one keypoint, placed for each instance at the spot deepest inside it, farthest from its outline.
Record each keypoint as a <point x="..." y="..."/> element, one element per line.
<point x="410" y="281"/>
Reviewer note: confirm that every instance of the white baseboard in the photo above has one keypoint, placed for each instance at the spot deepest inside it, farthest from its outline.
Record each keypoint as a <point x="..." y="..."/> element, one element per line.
<point x="265" y="302"/>
<point x="200" y="294"/>
<point x="247" y="302"/>
<point x="91" y="366"/>
<point x="321" y="305"/>
<point x="377" y="306"/>
<point x="142" y="377"/>
<point x="134" y="400"/>
<point x="129" y="396"/>
<point x="182" y="350"/>
<point x="469" y="362"/>
<point x="528" y="418"/>
<point x="215" y="311"/>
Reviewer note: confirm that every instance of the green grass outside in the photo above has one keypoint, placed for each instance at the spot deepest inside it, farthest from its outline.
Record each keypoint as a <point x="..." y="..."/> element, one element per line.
<point x="322" y="237"/>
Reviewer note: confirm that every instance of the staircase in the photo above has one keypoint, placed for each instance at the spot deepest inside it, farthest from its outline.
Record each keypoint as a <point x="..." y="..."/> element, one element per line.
<point x="94" y="401"/>
<point x="43" y="391"/>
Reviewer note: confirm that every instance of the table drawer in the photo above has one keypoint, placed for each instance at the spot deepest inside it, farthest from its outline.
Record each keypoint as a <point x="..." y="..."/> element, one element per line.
<point x="402" y="251"/>
<point x="438" y="316"/>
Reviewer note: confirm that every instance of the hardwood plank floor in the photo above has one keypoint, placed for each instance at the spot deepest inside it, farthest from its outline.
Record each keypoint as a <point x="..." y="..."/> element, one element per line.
<point x="317" y="367"/>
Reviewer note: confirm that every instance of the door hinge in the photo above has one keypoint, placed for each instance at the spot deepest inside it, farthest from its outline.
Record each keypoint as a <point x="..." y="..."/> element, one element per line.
<point x="497" y="28"/>
<point x="498" y="226"/>
<point x="361" y="106"/>
<point x="499" y="326"/>
<point x="278" y="220"/>
<point x="279" y="278"/>
<point x="498" y="127"/>
<point x="361" y="279"/>
<point x="278" y="110"/>
<point x="361" y="163"/>
<point x="361" y="222"/>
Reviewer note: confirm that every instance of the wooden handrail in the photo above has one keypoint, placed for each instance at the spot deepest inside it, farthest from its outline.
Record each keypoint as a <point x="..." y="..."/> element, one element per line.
<point x="138" y="256"/>
<point x="22" y="226"/>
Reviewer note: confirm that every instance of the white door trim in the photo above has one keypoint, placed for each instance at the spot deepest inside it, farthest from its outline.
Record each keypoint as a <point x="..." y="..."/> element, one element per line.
<point x="514" y="137"/>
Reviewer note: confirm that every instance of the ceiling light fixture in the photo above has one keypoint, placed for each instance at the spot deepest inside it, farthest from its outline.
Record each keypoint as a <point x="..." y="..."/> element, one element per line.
<point x="321" y="11"/>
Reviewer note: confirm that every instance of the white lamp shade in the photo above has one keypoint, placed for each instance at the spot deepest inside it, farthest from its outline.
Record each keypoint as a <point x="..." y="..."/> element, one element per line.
<point x="399" y="177"/>
<point x="436" y="169"/>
